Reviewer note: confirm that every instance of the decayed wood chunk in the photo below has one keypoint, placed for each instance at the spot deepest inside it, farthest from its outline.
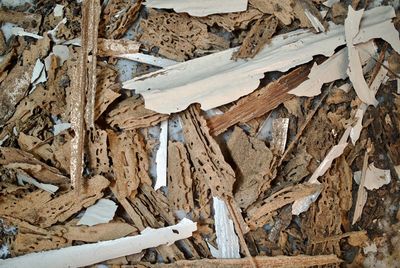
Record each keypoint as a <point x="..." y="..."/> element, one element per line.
<point x="130" y="162"/>
<point x="118" y="16"/>
<point x="254" y="162"/>
<point x="233" y="21"/>
<point x="206" y="155"/>
<point x="173" y="35"/>
<point x="261" y="212"/>
<point x="259" y="102"/>
<point x="29" y="21"/>
<point x="259" y="35"/>
<point x="97" y="152"/>
<point x="15" y="158"/>
<point x="110" y="47"/>
<point x="180" y="183"/>
<point x="131" y="114"/>
<point x="17" y="82"/>
<point x="106" y="89"/>
<point x="324" y="218"/>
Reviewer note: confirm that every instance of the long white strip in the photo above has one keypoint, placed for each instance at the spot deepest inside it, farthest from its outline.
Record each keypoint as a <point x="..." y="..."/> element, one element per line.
<point x="161" y="157"/>
<point x="215" y="79"/>
<point x="79" y="256"/>
<point x="200" y="8"/>
<point x="227" y="240"/>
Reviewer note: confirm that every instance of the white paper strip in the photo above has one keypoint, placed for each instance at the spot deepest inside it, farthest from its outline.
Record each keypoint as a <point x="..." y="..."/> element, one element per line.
<point x="101" y="212"/>
<point x="200" y="8"/>
<point x="227" y="240"/>
<point x="84" y="255"/>
<point x="161" y="157"/>
<point x="215" y="79"/>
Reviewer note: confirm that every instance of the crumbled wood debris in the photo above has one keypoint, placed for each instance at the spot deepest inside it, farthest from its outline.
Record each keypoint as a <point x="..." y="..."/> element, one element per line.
<point x="253" y="126"/>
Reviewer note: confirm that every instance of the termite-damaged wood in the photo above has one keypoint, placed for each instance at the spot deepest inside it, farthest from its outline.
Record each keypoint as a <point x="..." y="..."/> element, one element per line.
<point x="118" y="16"/>
<point x="261" y="212"/>
<point x="254" y="161"/>
<point x="206" y="155"/>
<point x="131" y="114"/>
<point x="209" y="163"/>
<point x="325" y="218"/>
<point x="180" y="181"/>
<point x="15" y="86"/>
<point x="130" y="162"/>
<point x="107" y="88"/>
<point x="40" y="208"/>
<point x="259" y="35"/>
<point x="173" y="35"/>
<point x="28" y="21"/>
<point x="259" y="102"/>
<point x="97" y="152"/>
<point x="233" y="21"/>
<point x="84" y="88"/>
<point x="15" y="158"/>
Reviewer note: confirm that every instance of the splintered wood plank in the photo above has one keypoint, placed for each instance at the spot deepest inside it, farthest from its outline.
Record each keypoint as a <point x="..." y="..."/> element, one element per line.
<point x="259" y="102"/>
<point x="83" y="88"/>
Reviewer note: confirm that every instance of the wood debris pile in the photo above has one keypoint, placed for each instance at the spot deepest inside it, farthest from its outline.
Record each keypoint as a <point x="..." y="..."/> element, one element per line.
<point x="240" y="133"/>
